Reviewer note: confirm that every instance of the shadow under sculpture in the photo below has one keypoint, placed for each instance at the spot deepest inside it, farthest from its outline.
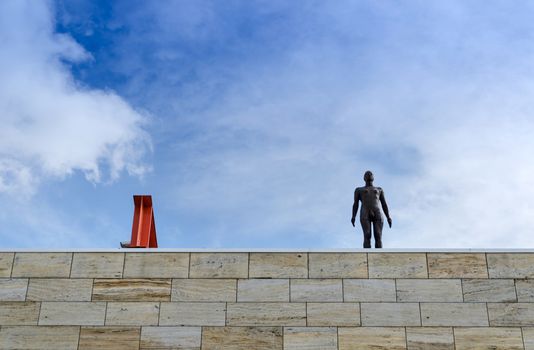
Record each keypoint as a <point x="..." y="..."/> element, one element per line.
<point x="370" y="216"/>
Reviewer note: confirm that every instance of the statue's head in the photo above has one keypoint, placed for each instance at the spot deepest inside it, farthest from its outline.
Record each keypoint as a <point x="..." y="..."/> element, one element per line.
<point x="368" y="176"/>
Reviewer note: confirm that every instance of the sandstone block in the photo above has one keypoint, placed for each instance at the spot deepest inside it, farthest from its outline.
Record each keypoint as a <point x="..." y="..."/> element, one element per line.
<point x="333" y="314"/>
<point x="488" y="338"/>
<point x="310" y="338"/>
<point x="156" y="265"/>
<point x="60" y="289"/>
<point x="39" y="337"/>
<point x="528" y="337"/>
<point x="13" y="289"/>
<point x="266" y="314"/>
<point x="511" y="265"/>
<point x="72" y="314"/>
<point x="278" y="265"/>
<point x="397" y="265"/>
<point x="219" y="265"/>
<point x="203" y="290"/>
<point x="97" y="265"/>
<point x="42" y="265"/>
<point x="374" y="290"/>
<point x="318" y="290"/>
<point x="372" y="338"/>
<point x="457" y="265"/>
<point x="187" y="338"/>
<point x="417" y="290"/>
<point x="17" y="313"/>
<point x="242" y="338"/>
<point x="525" y="291"/>
<point x="109" y="338"/>
<point x="263" y="290"/>
<point x="192" y="314"/>
<point x="6" y="263"/>
<point x="132" y="290"/>
<point x="338" y="265"/>
<point x="132" y="314"/>
<point x="390" y="314"/>
<point x="429" y="338"/>
<point x="489" y="290"/>
<point x="454" y="314"/>
<point x="511" y="314"/>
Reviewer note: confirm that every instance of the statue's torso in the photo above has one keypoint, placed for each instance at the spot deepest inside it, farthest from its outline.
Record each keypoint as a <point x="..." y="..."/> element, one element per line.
<point x="370" y="198"/>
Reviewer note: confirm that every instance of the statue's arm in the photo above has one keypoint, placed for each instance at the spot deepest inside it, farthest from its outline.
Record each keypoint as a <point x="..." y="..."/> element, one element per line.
<point x="355" y="205"/>
<point x="385" y="206"/>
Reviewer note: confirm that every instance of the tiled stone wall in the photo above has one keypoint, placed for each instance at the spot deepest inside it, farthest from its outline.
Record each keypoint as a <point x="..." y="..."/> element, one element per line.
<point x="291" y="301"/>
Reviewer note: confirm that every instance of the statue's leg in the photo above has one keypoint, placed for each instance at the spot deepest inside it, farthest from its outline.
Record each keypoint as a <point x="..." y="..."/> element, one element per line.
<point x="366" y="227"/>
<point x="377" y="230"/>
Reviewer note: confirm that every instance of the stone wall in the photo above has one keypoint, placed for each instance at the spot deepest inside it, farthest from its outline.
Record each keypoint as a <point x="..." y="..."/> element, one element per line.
<point x="324" y="301"/>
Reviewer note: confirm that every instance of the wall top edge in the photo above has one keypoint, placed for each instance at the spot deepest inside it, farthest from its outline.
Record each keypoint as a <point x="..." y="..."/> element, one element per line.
<point x="262" y="250"/>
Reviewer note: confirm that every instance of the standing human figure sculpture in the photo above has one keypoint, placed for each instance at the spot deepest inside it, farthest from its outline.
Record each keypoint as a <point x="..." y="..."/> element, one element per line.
<point x="372" y="198"/>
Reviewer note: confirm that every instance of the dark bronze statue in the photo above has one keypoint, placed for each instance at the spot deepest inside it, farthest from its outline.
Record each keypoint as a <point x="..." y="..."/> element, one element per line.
<point x="371" y="197"/>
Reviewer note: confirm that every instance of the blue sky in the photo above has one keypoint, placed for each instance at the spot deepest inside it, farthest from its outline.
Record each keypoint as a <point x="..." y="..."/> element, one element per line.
<point x="251" y="122"/>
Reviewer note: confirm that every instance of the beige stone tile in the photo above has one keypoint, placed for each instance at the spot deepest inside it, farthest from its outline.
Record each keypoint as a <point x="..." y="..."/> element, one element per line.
<point x="39" y="338"/>
<point x="333" y="314"/>
<point x="528" y="337"/>
<point x="397" y="265"/>
<point x="97" y="265"/>
<point x="278" y="265"/>
<point x="430" y="338"/>
<point x="17" y="313"/>
<point x="6" y="263"/>
<point x="390" y="314"/>
<point x="109" y="338"/>
<point x="132" y="289"/>
<point x="511" y="265"/>
<point x="192" y="314"/>
<point x="263" y="290"/>
<point x="170" y="338"/>
<point x="489" y="290"/>
<point x="373" y="290"/>
<point x="454" y="314"/>
<point x="156" y="265"/>
<point x="42" y="265"/>
<point x="242" y="338"/>
<point x="310" y="338"/>
<point x="132" y="314"/>
<point x="372" y="338"/>
<point x="338" y="265"/>
<point x="266" y="314"/>
<point x="318" y="290"/>
<point x="58" y="313"/>
<point x="219" y="265"/>
<point x="511" y="314"/>
<point x="203" y="290"/>
<point x="488" y="338"/>
<point x="525" y="291"/>
<point x="60" y="289"/>
<point x="13" y="289"/>
<point x="417" y="290"/>
<point x="457" y="265"/>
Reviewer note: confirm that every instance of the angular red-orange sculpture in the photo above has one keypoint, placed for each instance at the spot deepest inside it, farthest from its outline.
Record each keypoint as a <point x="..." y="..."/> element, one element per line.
<point x="144" y="226"/>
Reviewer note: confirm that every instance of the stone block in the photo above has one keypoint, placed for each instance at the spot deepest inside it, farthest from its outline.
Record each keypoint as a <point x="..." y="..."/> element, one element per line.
<point x="429" y="338"/>
<point x="156" y="265"/>
<point x="97" y="265"/>
<point x="132" y="290"/>
<point x="528" y="337"/>
<point x="58" y="313"/>
<point x="17" y="313"/>
<point x="187" y="338"/>
<point x="488" y="338"/>
<point x="489" y="290"/>
<point x="204" y="290"/>
<point x="457" y="265"/>
<point x="316" y="290"/>
<point x="454" y="314"/>
<point x="390" y="314"/>
<point x="372" y="338"/>
<point x="132" y="314"/>
<point x="525" y="291"/>
<point x="397" y="265"/>
<point x="242" y="338"/>
<point x="511" y="314"/>
<point x="6" y="263"/>
<point x="278" y="265"/>
<point x="263" y="290"/>
<point x="310" y="338"/>
<point x="266" y="314"/>
<point x="60" y="289"/>
<point x="373" y="290"/>
<point x="39" y="337"/>
<point x="333" y="314"/>
<point x="338" y="265"/>
<point x="219" y="265"/>
<point x="42" y="265"/>
<point x="511" y="265"/>
<point x="109" y="338"/>
<point x="192" y="314"/>
<point x="417" y="290"/>
<point x="13" y="289"/>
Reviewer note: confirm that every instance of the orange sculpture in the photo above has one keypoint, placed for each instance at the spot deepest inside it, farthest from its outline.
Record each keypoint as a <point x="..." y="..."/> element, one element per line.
<point x="143" y="226"/>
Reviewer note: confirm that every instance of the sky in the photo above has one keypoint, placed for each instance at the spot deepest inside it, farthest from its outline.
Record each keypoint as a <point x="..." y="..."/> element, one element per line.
<point x="252" y="122"/>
